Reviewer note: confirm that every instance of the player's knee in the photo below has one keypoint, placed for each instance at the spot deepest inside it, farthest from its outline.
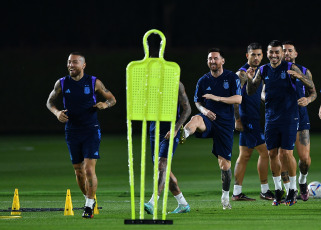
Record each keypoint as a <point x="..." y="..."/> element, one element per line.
<point x="162" y="164"/>
<point x="196" y="119"/>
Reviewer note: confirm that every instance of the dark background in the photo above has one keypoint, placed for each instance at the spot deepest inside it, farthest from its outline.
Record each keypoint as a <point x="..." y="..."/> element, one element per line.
<point x="37" y="37"/>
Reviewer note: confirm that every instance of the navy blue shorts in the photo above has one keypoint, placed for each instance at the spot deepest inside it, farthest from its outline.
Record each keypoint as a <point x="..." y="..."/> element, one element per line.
<point x="283" y="136"/>
<point x="252" y="135"/>
<point x="222" y="137"/>
<point x="304" y="122"/>
<point x="163" y="145"/>
<point x="83" y="144"/>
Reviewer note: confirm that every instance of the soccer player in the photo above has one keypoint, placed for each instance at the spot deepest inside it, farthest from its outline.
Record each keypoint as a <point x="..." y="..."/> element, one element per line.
<point x="281" y="113"/>
<point x="302" y="142"/>
<point x="215" y="94"/>
<point x="247" y="121"/>
<point x="164" y="135"/>
<point x="80" y="91"/>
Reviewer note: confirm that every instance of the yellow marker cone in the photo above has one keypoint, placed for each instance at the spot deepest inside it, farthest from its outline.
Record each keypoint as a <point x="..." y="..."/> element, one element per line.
<point x="68" y="205"/>
<point x="96" y="211"/>
<point x="16" y="203"/>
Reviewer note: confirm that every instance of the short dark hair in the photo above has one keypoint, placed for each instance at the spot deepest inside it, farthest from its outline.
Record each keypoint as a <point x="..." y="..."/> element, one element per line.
<point x="216" y="50"/>
<point x="254" y="46"/>
<point x="275" y="43"/>
<point x="78" y="54"/>
<point x="289" y="43"/>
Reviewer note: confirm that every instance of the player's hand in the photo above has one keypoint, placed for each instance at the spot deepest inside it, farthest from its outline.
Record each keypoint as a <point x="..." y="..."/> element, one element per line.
<point x="212" y="97"/>
<point x="303" y="101"/>
<point x="61" y="116"/>
<point x="101" y="105"/>
<point x="209" y="114"/>
<point x="250" y="73"/>
<point x="239" y="125"/>
<point x="294" y="74"/>
<point x="168" y="134"/>
<point x="320" y="112"/>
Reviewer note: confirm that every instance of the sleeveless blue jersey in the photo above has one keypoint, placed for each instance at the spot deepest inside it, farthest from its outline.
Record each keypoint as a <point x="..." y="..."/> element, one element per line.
<point x="281" y="105"/>
<point x="249" y="109"/>
<point x="299" y="84"/>
<point x="164" y="127"/>
<point x="79" y="98"/>
<point x="225" y="85"/>
<point x="303" y="110"/>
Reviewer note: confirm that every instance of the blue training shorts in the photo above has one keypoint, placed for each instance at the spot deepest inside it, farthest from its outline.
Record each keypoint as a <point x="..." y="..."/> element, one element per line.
<point x="222" y="137"/>
<point x="304" y="122"/>
<point x="252" y="135"/>
<point x="163" y="145"/>
<point x="283" y="136"/>
<point x="83" y="144"/>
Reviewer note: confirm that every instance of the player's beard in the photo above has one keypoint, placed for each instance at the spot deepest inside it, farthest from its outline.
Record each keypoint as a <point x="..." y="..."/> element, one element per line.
<point x="215" y="67"/>
<point x="288" y="59"/>
<point x="74" y="73"/>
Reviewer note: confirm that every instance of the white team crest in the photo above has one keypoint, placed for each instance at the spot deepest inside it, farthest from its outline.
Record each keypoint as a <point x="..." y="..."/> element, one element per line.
<point x="283" y="75"/>
<point x="225" y="85"/>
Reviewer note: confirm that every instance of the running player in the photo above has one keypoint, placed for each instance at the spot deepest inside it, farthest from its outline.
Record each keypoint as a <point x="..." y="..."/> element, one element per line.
<point x="164" y="134"/>
<point x="281" y="113"/>
<point x="247" y="121"/>
<point x="82" y="130"/>
<point x="302" y="142"/>
<point x="215" y="94"/>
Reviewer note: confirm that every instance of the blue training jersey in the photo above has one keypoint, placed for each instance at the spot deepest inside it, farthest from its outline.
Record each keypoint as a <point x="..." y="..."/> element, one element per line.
<point x="79" y="98"/>
<point x="164" y="127"/>
<point x="249" y="109"/>
<point x="225" y="85"/>
<point x="299" y="84"/>
<point x="281" y="105"/>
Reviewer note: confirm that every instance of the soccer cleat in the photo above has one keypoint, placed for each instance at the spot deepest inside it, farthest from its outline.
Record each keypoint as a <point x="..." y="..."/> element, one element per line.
<point x="88" y="213"/>
<point x="182" y="137"/>
<point x="291" y="198"/>
<point x="268" y="195"/>
<point x="149" y="208"/>
<point x="242" y="197"/>
<point x="226" y="204"/>
<point x="182" y="209"/>
<point x="304" y="194"/>
<point x="278" y="197"/>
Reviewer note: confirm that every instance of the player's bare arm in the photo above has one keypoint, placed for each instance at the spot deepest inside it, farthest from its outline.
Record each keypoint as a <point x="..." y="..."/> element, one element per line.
<point x="205" y="111"/>
<point x="296" y="73"/>
<point x="106" y="94"/>
<point x="304" y="101"/>
<point x="238" y="122"/>
<point x="243" y="77"/>
<point x="320" y="112"/>
<point x="253" y="83"/>
<point x="60" y="114"/>
<point x="235" y="99"/>
<point x="186" y="109"/>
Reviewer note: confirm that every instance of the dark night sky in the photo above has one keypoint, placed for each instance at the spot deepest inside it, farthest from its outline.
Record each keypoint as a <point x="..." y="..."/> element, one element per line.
<point x="185" y="23"/>
<point x="37" y="36"/>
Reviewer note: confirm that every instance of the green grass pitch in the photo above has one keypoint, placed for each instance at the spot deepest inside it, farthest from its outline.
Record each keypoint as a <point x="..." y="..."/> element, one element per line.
<point x="39" y="166"/>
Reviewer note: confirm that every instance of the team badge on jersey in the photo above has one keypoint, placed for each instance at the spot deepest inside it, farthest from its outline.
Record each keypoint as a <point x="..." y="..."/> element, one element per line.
<point x="225" y="84"/>
<point x="283" y="75"/>
<point x="86" y="89"/>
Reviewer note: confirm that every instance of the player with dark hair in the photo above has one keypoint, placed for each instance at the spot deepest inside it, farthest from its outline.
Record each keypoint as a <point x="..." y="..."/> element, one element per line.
<point x="82" y="130"/>
<point x="281" y="113"/>
<point x="164" y="135"/>
<point x="302" y="142"/>
<point x="215" y="94"/>
<point x="247" y="121"/>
